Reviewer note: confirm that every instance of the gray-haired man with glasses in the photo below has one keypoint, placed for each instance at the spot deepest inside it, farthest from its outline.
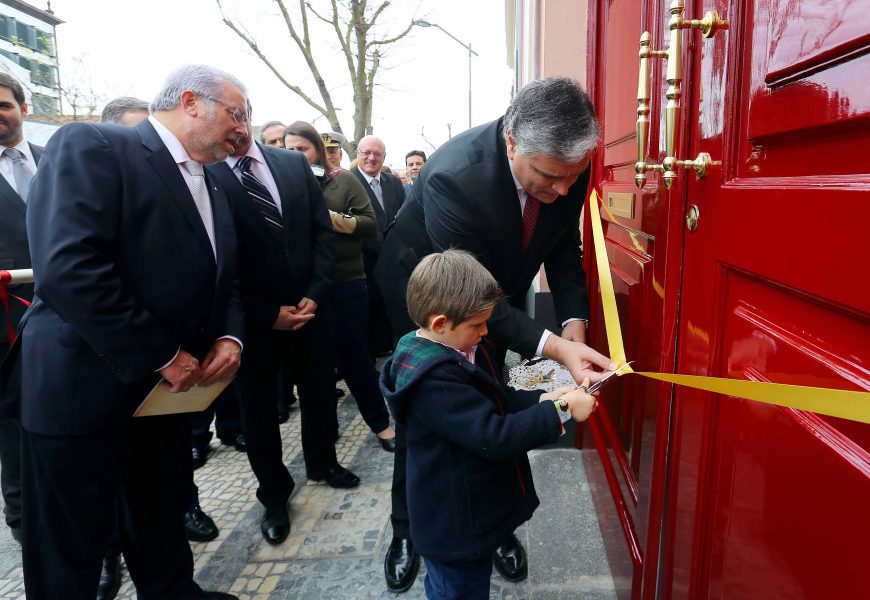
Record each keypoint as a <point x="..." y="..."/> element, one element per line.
<point x="134" y="251"/>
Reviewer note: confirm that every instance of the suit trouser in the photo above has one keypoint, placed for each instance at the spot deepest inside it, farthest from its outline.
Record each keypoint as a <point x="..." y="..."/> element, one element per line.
<point x="225" y="412"/>
<point x="380" y="336"/>
<point x="10" y="470"/>
<point x="308" y="355"/>
<point x="349" y="312"/>
<point x="70" y="486"/>
<point x="401" y="324"/>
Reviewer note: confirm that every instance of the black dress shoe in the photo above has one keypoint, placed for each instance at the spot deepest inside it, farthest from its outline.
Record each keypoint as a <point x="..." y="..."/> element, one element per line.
<point x="388" y="444"/>
<point x="339" y="392"/>
<point x="238" y="442"/>
<point x="337" y="477"/>
<point x="510" y="560"/>
<point x="110" y="577"/>
<point x="200" y="455"/>
<point x="401" y="565"/>
<point x="283" y="412"/>
<point x="16" y="533"/>
<point x="199" y="527"/>
<point x="275" y="524"/>
<point x="217" y="596"/>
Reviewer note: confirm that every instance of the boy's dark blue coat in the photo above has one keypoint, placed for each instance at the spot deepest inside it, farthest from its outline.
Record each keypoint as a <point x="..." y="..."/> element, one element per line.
<point x="469" y="481"/>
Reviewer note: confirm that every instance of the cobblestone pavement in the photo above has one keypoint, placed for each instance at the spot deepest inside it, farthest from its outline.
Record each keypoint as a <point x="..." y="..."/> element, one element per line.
<point x="338" y="539"/>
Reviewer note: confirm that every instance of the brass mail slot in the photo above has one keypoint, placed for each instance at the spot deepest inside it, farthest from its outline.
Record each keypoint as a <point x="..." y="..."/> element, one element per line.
<point x="621" y="204"/>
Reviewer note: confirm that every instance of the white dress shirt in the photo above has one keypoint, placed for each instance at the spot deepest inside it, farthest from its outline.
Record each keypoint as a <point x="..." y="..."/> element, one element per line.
<point x="523" y="195"/>
<point x="180" y="156"/>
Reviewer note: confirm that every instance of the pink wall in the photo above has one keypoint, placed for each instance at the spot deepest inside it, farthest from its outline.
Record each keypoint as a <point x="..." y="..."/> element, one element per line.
<point x="563" y="48"/>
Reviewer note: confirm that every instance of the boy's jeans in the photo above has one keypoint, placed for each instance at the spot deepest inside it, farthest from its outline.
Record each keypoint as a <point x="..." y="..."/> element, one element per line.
<point x="458" y="580"/>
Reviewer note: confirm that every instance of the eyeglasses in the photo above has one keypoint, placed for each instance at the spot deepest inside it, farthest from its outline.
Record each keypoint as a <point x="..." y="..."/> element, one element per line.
<point x="372" y="153"/>
<point x="238" y="115"/>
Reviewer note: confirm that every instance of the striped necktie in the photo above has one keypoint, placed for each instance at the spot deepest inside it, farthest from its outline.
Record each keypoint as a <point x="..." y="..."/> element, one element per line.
<point x="260" y="195"/>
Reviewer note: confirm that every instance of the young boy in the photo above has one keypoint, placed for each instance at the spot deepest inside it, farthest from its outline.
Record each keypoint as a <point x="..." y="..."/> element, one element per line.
<point x="468" y="478"/>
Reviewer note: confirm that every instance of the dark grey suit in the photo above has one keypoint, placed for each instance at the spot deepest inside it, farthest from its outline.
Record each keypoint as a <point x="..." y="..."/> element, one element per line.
<point x="279" y="268"/>
<point x="379" y="334"/>
<point x="465" y="197"/>
<point x="14" y="254"/>
<point x="126" y="275"/>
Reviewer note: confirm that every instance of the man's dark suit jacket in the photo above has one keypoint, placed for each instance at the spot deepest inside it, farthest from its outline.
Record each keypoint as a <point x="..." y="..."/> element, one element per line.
<point x="125" y="276"/>
<point x="279" y="269"/>
<point x="14" y="253"/>
<point x="394" y="197"/>
<point x="466" y="198"/>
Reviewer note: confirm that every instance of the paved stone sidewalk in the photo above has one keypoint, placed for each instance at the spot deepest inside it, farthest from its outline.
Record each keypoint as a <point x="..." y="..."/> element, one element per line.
<point x="339" y="537"/>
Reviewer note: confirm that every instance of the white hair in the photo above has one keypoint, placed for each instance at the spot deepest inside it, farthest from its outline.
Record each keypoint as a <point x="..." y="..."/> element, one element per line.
<point x="203" y="80"/>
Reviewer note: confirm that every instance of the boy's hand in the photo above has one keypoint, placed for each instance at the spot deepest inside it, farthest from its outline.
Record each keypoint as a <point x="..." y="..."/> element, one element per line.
<point x="580" y="403"/>
<point x="557" y="393"/>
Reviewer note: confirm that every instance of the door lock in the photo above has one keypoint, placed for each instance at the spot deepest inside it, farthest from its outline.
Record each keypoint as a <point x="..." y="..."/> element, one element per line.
<point x="692" y="217"/>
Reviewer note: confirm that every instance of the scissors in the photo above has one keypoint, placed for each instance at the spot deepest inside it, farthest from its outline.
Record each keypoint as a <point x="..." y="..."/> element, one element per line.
<point x="600" y="384"/>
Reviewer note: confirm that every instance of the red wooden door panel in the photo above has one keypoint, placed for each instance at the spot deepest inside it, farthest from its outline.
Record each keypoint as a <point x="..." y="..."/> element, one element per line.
<point x="630" y="428"/>
<point x="763" y="501"/>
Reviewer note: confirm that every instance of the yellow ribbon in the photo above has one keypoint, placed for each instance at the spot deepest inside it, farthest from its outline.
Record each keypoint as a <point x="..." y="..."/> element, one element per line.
<point x="844" y="404"/>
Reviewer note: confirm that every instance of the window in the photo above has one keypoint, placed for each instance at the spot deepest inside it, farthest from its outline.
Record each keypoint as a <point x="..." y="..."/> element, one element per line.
<point x="5" y="27"/>
<point x="26" y="34"/>
<point x="44" y="105"/>
<point x="43" y="74"/>
<point x="44" y="43"/>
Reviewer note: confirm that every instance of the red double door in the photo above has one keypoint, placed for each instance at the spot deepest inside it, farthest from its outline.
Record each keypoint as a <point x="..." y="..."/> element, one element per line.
<point x="700" y="495"/>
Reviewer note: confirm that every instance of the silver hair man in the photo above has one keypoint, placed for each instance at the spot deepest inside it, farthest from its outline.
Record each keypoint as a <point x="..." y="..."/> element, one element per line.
<point x="553" y="117"/>
<point x="204" y="80"/>
<point x="116" y="110"/>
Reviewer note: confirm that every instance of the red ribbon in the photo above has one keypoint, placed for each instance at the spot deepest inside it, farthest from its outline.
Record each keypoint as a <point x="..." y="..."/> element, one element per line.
<point x="5" y="279"/>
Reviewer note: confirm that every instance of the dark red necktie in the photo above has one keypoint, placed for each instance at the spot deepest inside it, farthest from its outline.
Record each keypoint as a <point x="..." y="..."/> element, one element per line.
<point x="530" y="217"/>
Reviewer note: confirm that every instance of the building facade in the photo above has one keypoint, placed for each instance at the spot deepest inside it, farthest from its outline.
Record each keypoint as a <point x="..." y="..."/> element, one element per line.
<point x="28" y="50"/>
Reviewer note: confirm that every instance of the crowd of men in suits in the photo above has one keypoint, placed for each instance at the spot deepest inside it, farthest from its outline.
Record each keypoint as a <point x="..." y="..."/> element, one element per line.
<point x="175" y="246"/>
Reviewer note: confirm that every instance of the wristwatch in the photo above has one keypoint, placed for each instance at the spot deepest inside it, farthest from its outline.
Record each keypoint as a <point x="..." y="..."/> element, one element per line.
<point x="562" y="409"/>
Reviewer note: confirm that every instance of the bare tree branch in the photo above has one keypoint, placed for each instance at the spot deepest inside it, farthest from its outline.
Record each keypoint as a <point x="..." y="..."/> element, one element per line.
<point x="425" y="139"/>
<point x="318" y="15"/>
<point x="352" y="21"/>
<point x="395" y="39"/>
<point x="252" y="44"/>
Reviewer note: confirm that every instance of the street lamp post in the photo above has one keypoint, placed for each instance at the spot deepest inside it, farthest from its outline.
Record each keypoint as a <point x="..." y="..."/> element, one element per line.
<point x="422" y="23"/>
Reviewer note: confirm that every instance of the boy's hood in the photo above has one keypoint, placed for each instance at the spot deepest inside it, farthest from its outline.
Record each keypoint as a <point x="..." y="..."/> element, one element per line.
<point x="413" y="358"/>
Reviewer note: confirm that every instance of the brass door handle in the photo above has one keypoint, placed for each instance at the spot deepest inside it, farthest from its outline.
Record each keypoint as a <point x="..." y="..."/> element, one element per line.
<point x="709" y="25"/>
<point x="643" y="96"/>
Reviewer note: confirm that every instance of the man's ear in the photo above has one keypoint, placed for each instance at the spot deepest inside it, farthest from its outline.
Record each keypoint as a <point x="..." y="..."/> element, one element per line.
<point x="438" y="323"/>
<point x="511" y="145"/>
<point x="188" y="102"/>
<point x="24" y="109"/>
